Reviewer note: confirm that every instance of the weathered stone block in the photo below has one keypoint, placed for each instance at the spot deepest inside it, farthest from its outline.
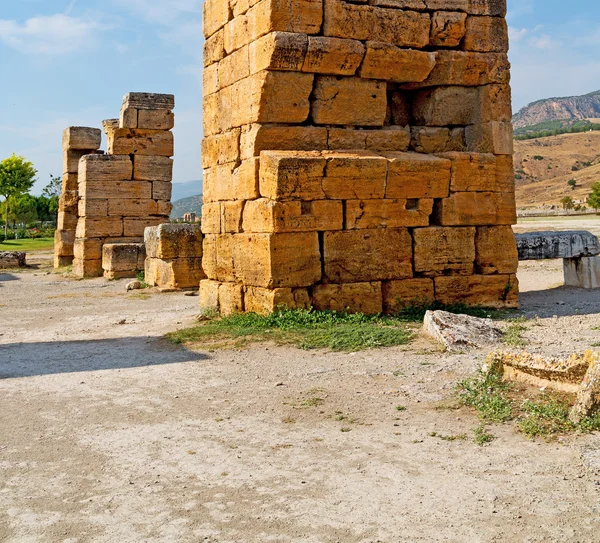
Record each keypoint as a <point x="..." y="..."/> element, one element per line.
<point x="162" y="190"/>
<point x="301" y="16"/>
<point x="12" y="259"/>
<point x="413" y="176"/>
<point x="63" y="243"/>
<point x="129" y="207"/>
<point x="476" y="209"/>
<point x="88" y="249"/>
<point x="264" y="215"/>
<point x="278" y="51"/>
<point x="493" y="137"/>
<point x="81" y="138"/>
<point x="354" y="297"/>
<point x="128" y="118"/>
<point x="217" y="259"/>
<point x="71" y="159"/>
<point x="390" y="63"/>
<point x="221" y="148"/>
<point x="496" y="250"/>
<point x="125" y="141"/>
<point x="99" y="227"/>
<point x="135" y="226"/>
<point x="445" y="251"/>
<point x="126" y="259"/>
<point x="148" y="100"/>
<point x="566" y="244"/>
<point x="333" y="56"/>
<point x="257" y="138"/>
<point x="265" y="301"/>
<point x="388" y="213"/>
<point x="214" y="49"/>
<point x="398" y="295"/>
<point x="472" y="172"/>
<point x="66" y="221"/>
<point x="367" y="255"/>
<point x="349" y="101"/>
<point x="87" y="268"/>
<point x="486" y="34"/>
<point x="104" y="169"/>
<point x="432" y="140"/>
<point x="500" y="291"/>
<point x="174" y="273"/>
<point x="152" y="168"/>
<point x="155" y="119"/>
<point x="99" y="189"/>
<point x="70" y="182"/>
<point x="354" y="175"/>
<point x="447" y="106"/>
<point x="222" y="217"/>
<point x="447" y="28"/>
<point x="232" y="181"/>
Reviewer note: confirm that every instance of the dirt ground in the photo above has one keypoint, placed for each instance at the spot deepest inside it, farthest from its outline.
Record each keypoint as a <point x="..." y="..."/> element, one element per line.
<point x="110" y="434"/>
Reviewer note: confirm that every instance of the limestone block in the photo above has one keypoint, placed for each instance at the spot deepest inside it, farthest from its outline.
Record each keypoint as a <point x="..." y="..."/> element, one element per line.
<point x="161" y="190"/>
<point x="472" y="172"/>
<point x="217" y="257"/>
<point x="231" y="299"/>
<point x="135" y="226"/>
<point x="588" y="395"/>
<point x="389" y="213"/>
<point x="99" y="189"/>
<point x="215" y="16"/>
<point x="486" y="34"/>
<point x="68" y="201"/>
<point x="174" y="273"/>
<point x="148" y="100"/>
<point x="264" y="215"/>
<point x="108" y="125"/>
<point x="301" y="16"/>
<point x="496" y="250"/>
<point x="239" y="7"/>
<point x="87" y="268"/>
<point x="367" y="255"/>
<point x="99" y="227"/>
<point x="232" y="68"/>
<point x="565" y="244"/>
<point x="499" y="291"/>
<point x="413" y="176"/>
<point x="221" y="148"/>
<point x="431" y="140"/>
<point x="88" y="249"/>
<point x="505" y="174"/>
<point x="398" y="295"/>
<point x="289" y="175"/>
<point x="457" y="332"/>
<point x="132" y="207"/>
<point x="209" y="295"/>
<point x="353" y="297"/>
<point x="62" y="261"/>
<point x="238" y="33"/>
<point x="333" y="56"/>
<point x="448" y="251"/>
<point x="392" y="139"/>
<point x="466" y="68"/>
<point x="476" y="209"/>
<point x="349" y="101"/>
<point x="210" y="79"/>
<point x="496" y="103"/>
<point x="97" y="169"/>
<point x="63" y="242"/>
<point x="169" y="241"/>
<point x="152" y="168"/>
<point x="447" y="106"/>
<point x="222" y="217"/>
<point x="124" y="141"/>
<point x="81" y="138"/>
<point x="583" y="272"/>
<point x="232" y="182"/>
<point x="164" y="208"/>
<point x="362" y="22"/>
<point x="258" y="137"/>
<point x="354" y="175"/>
<point x="214" y="49"/>
<point x="278" y="51"/>
<point x="123" y="257"/>
<point x="277" y="260"/>
<point x="447" y="28"/>
<point x="401" y="108"/>
<point x="454" y="5"/>
<point x="265" y="301"/>
<point x="70" y="182"/>
<point x="493" y="137"/>
<point x="156" y="119"/>
<point x="390" y="63"/>
<point x="71" y="159"/>
<point x="128" y="118"/>
<point x="66" y="221"/>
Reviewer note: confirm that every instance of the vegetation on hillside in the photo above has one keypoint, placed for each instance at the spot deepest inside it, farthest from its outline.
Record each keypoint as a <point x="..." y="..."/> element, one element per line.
<point x="554" y="128"/>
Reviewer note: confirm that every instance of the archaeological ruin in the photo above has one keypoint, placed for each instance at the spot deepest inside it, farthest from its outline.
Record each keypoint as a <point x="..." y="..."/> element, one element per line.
<point x="357" y="155"/>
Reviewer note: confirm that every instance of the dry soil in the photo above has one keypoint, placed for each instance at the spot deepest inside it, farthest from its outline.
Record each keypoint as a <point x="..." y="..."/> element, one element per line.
<point x="110" y="434"/>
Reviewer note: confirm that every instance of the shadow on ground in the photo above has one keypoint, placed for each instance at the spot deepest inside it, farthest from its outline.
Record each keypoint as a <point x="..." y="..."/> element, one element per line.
<point x="560" y="301"/>
<point x="29" y="359"/>
<point x="4" y="277"/>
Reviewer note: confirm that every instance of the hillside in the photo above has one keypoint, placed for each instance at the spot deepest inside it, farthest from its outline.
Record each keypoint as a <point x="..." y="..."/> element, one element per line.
<point x="559" y="109"/>
<point x="544" y="166"/>
<point x="192" y="204"/>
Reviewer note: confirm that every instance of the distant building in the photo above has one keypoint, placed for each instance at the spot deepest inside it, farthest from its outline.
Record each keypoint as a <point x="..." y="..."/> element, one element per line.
<point x="189" y="217"/>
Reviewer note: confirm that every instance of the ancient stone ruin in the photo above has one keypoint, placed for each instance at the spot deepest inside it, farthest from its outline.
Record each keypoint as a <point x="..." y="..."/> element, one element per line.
<point x="111" y="198"/>
<point x="357" y="155"/>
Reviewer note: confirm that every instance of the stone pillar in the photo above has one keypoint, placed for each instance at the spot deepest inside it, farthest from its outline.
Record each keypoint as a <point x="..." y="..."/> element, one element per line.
<point x="77" y="141"/>
<point x="357" y="156"/>
<point x="129" y="188"/>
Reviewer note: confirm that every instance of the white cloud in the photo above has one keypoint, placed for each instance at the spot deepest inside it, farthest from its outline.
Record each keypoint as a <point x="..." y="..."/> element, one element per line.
<point x="542" y="42"/>
<point x="161" y="11"/>
<point x="517" y="34"/>
<point x="51" y="35"/>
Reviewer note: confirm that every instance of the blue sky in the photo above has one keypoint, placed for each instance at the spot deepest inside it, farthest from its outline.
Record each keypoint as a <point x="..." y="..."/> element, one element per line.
<point x="69" y="62"/>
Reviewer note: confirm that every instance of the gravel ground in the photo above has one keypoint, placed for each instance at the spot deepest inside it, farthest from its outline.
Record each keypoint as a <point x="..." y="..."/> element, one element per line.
<point x="111" y="434"/>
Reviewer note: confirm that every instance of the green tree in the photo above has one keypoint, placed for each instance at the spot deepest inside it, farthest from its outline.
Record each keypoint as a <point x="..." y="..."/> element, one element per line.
<point x="17" y="176"/>
<point x="572" y="183"/>
<point x="567" y="203"/>
<point x="24" y="209"/>
<point x="594" y="197"/>
<point x="51" y="193"/>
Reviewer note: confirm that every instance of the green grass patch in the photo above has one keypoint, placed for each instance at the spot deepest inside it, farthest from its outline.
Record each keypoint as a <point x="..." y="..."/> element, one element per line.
<point x="27" y="245"/>
<point x="487" y="393"/>
<point x="513" y="335"/>
<point x="303" y="328"/>
<point x="482" y="436"/>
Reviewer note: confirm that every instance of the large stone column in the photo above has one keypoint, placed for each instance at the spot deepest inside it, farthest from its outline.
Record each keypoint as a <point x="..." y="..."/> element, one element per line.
<point x="357" y="155"/>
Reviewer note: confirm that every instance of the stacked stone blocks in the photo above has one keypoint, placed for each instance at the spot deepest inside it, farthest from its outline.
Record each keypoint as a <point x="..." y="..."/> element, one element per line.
<point x="126" y="190"/>
<point x="357" y="155"/>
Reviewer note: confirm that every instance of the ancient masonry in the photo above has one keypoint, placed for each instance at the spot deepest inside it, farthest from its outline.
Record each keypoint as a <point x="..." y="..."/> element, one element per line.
<point x="122" y="192"/>
<point x="357" y="154"/>
<point x="77" y="141"/>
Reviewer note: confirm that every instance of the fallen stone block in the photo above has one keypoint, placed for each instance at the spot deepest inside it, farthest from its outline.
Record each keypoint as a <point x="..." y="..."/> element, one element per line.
<point x="456" y="332"/>
<point x="582" y="272"/>
<point x="588" y="396"/>
<point x="12" y="259"/>
<point x="568" y="244"/>
<point x="168" y="241"/>
<point x="123" y="259"/>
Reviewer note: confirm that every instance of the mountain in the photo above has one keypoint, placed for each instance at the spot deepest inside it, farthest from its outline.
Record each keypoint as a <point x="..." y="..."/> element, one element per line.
<point x="185" y="190"/>
<point x="569" y="108"/>
<point x="191" y="204"/>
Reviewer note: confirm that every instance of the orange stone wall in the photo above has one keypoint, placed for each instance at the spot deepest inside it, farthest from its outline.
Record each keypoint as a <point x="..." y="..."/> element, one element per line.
<point x="357" y="155"/>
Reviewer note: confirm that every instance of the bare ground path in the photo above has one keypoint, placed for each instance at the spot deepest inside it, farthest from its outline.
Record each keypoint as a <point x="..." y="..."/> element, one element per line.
<point x="109" y="434"/>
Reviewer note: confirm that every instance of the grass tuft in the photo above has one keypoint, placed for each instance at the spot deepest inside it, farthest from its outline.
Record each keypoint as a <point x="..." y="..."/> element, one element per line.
<point x="486" y="392"/>
<point x="513" y="334"/>
<point x="482" y="436"/>
<point x="304" y="328"/>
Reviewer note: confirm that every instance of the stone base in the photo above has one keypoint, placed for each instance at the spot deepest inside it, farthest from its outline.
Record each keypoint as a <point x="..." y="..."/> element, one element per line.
<point x="582" y="272"/>
<point x="121" y="260"/>
<point x="174" y="274"/>
<point x="63" y="261"/>
<point x="12" y="259"/>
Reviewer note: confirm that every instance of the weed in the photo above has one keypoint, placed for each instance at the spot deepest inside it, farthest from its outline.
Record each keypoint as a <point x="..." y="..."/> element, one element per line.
<point x="544" y="417"/>
<point x="486" y="392"/>
<point x="288" y="420"/>
<point x="457" y="437"/>
<point x="595" y="328"/>
<point x="304" y="328"/>
<point x="597" y="344"/>
<point x="345" y="429"/>
<point x="482" y="436"/>
<point x="513" y="334"/>
<point x="400" y="408"/>
<point x="312" y="402"/>
<point x="141" y="276"/>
